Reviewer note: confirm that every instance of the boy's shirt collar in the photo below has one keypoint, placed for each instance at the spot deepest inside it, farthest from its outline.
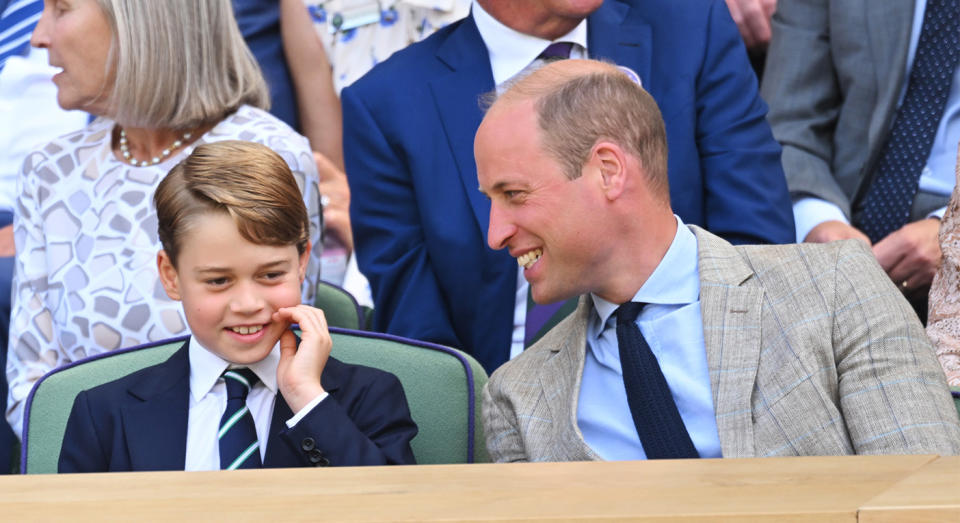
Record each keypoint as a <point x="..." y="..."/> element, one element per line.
<point x="206" y="368"/>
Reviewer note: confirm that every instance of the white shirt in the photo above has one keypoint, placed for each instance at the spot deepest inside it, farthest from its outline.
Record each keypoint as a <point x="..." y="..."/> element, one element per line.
<point x="208" y="401"/>
<point x="937" y="176"/>
<point x="510" y="53"/>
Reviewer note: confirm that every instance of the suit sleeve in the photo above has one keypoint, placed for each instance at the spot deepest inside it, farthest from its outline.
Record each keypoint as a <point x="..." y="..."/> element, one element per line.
<point x="500" y="427"/>
<point x="81" y="450"/>
<point x="368" y="425"/>
<point x="388" y="231"/>
<point x="892" y="391"/>
<point x="747" y="200"/>
<point x="800" y="84"/>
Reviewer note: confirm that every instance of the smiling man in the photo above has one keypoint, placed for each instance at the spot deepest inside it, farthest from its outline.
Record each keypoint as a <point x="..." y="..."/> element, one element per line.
<point x="683" y="345"/>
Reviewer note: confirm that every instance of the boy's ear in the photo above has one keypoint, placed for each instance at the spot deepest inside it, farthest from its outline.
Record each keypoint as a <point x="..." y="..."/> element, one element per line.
<point x="302" y="267"/>
<point x="168" y="275"/>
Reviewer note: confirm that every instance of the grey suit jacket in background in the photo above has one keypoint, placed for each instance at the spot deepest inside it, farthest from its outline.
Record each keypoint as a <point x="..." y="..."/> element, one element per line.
<point x="811" y="350"/>
<point x="833" y="77"/>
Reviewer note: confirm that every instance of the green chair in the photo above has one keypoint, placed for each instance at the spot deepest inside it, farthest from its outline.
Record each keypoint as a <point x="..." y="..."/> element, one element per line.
<point x="442" y="386"/>
<point x="339" y="307"/>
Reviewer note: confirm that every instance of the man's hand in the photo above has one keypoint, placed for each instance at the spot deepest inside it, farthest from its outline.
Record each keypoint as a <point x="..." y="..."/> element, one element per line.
<point x="753" y="20"/>
<point x="911" y="254"/>
<point x="833" y="230"/>
<point x="298" y="374"/>
<point x="336" y="193"/>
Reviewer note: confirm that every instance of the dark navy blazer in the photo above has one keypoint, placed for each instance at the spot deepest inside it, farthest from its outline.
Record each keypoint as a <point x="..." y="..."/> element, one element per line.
<point x="420" y="223"/>
<point x="139" y="422"/>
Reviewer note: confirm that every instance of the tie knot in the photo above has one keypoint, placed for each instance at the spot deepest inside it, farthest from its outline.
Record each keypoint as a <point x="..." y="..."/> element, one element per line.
<point x="628" y="312"/>
<point x="239" y="382"/>
<point x="557" y="50"/>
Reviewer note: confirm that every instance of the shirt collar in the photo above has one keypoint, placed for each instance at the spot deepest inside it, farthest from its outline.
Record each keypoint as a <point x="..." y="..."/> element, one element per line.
<point x="511" y="51"/>
<point x="206" y="368"/>
<point x="675" y="281"/>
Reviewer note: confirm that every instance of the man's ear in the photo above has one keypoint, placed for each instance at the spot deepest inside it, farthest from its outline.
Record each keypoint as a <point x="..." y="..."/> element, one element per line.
<point x="610" y="159"/>
<point x="168" y="275"/>
<point x="302" y="266"/>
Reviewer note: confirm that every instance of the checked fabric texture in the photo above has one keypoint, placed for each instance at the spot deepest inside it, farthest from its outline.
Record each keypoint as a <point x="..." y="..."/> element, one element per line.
<point x="239" y="447"/>
<point x="887" y="203"/>
<point x="655" y="414"/>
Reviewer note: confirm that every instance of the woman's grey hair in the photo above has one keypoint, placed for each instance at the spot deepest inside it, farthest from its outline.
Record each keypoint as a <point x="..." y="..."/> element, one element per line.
<point x="179" y="63"/>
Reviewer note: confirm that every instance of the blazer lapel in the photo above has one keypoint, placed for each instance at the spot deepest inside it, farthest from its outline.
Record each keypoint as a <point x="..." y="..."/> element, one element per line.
<point x="156" y="428"/>
<point x="730" y="303"/>
<point x="456" y="96"/>
<point x="563" y="371"/>
<point x="626" y="43"/>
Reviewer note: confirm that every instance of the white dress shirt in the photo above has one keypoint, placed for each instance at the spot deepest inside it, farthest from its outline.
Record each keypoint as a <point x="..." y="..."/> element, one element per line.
<point x="672" y="325"/>
<point x="208" y="400"/>
<point x="510" y="53"/>
<point x="937" y="176"/>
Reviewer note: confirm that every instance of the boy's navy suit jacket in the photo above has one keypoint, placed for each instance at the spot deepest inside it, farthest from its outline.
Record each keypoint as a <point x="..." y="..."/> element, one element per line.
<point x="139" y="422"/>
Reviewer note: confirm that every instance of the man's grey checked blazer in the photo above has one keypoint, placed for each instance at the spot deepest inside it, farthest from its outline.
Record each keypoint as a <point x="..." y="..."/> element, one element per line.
<point x="834" y="73"/>
<point x="811" y="349"/>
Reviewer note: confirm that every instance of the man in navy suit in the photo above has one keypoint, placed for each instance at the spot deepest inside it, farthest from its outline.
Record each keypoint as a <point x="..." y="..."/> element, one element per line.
<point x="419" y="220"/>
<point x="243" y="392"/>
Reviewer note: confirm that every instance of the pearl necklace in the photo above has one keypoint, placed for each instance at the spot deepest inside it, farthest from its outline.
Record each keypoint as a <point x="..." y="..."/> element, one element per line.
<point x="125" y="150"/>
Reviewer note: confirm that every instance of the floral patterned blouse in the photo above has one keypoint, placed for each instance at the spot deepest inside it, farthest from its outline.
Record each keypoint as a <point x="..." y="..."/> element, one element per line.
<point x="85" y="279"/>
<point x="391" y="26"/>
<point x="943" y="319"/>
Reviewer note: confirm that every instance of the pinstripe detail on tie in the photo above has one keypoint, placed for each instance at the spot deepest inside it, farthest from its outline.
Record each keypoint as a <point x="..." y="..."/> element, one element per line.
<point x="239" y="447"/>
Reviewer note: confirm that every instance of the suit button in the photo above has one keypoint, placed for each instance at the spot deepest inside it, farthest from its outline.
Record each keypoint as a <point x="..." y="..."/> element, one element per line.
<point x="317" y="458"/>
<point x="308" y="444"/>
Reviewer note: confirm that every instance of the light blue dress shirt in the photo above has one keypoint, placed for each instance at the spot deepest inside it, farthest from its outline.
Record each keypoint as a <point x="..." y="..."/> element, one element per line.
<point x="673" y="327"/>
<point x="937" y="176"/>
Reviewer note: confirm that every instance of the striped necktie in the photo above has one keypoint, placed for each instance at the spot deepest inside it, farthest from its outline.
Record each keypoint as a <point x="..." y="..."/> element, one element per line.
<point x="889" y="198"/>
<point x="239" y="447"/>
<point x="16" y="24"/>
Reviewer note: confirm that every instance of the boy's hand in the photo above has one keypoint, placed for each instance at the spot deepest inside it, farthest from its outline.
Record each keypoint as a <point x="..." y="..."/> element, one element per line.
<point x="298" y="374"/>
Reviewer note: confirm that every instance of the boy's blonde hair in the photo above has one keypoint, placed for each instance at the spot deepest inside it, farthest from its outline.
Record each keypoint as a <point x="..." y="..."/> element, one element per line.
<point x="246" y="180"/>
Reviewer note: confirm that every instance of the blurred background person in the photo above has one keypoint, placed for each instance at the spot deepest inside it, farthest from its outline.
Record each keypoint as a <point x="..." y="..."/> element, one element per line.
<point x="161" y="77"/>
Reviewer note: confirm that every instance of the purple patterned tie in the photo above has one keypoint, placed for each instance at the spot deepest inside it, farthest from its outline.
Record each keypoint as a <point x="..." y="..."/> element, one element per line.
<point x="557" y="51"/>
<point x="888" y="200"/>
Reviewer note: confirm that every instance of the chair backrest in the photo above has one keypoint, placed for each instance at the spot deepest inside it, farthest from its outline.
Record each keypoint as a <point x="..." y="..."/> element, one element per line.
<point x="49" y="403"/>
<point x="442" y="386"/>
<point x="339" y="307"/>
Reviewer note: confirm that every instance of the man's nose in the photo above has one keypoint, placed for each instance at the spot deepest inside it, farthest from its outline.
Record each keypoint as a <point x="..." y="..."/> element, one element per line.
<point x="500" y="229"/>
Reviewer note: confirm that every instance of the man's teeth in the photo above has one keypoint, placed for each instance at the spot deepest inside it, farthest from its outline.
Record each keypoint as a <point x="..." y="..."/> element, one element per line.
<point x="527" y="260"/>
<point x="247" y="330"/>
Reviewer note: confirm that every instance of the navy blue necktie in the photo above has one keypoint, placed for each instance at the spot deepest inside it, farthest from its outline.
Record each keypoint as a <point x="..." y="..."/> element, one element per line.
<point x="239" y="446"/>
<point x="655" y="414"/>
<point x="17" y="21"/>
<point x="887" y="202"/>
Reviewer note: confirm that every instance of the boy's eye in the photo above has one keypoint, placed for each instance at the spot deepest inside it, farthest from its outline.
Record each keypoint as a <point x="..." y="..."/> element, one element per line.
<point x="274" y="275"/>
<point x="217" y="282"/>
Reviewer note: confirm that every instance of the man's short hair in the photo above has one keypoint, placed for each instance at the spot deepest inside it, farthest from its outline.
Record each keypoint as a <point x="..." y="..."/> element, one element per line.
<point x="179" y="63"/>
<point x="246" y="180"/>
<point x="575" y="110"/>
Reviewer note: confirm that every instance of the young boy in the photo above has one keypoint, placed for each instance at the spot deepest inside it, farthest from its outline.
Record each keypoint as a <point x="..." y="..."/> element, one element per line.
<point x="234" y="234"/>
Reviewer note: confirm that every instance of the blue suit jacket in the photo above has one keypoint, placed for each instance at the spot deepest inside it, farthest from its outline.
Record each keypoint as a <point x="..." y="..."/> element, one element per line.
<point x="420" y="223"/>
<point x="139" y="422"/>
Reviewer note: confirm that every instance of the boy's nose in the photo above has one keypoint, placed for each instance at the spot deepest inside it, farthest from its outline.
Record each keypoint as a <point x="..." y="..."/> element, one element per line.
<point x="246" y="300"/>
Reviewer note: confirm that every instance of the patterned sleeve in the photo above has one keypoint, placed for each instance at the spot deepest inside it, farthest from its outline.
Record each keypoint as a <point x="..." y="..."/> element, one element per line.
<point x="30" y="352"/>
